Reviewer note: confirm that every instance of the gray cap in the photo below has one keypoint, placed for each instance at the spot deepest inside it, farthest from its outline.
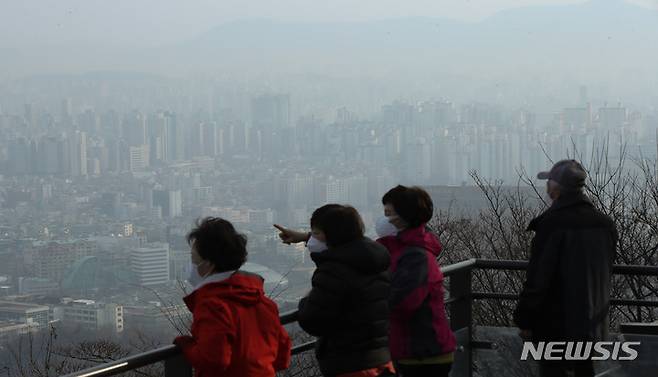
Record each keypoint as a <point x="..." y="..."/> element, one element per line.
<point x="568" y="173"/>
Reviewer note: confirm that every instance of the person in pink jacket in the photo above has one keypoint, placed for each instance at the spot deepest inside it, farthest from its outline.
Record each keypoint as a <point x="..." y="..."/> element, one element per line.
<point x="420" y="339"/>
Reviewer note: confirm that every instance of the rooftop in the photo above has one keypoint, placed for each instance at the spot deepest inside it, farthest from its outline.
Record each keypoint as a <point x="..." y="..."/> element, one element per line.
<point x="20" y="307"/>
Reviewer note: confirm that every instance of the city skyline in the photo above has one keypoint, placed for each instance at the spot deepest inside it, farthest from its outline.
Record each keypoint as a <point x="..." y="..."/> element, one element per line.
<point x="124" y="124"/>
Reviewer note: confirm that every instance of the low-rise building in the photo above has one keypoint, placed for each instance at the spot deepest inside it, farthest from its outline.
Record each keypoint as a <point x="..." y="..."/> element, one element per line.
<point x="90" y="315"/>
<point x="12" y="330"/>
<point x="20" y="312"/>
<point x="37" y="286"/>
<point x="156" y="318"/>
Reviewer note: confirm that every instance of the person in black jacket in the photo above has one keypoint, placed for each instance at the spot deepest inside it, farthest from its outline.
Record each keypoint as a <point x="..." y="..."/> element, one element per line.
<point x="347" y="307"/>
<point x="566" y="295"/>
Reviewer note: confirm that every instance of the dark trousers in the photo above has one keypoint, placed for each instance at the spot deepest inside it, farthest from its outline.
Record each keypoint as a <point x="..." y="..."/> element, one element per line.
<point x="429" y="370"/>
<point x="583" y="368"/>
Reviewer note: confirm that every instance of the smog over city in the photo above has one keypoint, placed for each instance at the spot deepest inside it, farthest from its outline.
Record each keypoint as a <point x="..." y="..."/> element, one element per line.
<point x="134" y="134"/>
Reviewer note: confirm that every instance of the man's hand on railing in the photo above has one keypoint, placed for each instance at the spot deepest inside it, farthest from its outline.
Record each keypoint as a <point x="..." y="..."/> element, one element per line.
<point x="289" y="236"/>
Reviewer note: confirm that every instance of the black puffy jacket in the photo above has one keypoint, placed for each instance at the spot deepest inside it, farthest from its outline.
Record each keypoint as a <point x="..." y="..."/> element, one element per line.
<point x="566" y="295"/>
<point x="347" y="308"/>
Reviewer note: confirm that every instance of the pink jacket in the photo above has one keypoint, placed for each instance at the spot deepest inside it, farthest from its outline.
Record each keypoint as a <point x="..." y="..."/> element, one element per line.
<point x="419" y="327"/>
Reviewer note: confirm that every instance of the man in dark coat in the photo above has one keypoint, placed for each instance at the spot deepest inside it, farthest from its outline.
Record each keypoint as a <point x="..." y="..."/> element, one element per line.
<point x="566" y="296"/>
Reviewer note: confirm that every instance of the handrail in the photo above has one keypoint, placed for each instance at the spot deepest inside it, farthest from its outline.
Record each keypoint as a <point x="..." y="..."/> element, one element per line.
<point x="451" y="269"/>
<point x="151" y="357"/>
<point x="521" y="265"/>
<point x="288" y="317"/>
<point x="462" y="296"/>
<point x="133" y="362"/>
<point x="172" y="351"/>
<point x="130" y="362"/>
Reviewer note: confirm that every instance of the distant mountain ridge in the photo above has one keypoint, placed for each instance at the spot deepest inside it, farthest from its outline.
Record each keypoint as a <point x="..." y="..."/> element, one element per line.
<point x="605" y="41"/>
<point x="612" y="19"/>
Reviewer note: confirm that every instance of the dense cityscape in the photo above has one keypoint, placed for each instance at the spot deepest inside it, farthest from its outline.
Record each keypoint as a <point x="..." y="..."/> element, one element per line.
<point x="96" y="202"/>
<point x="123" y="127"/>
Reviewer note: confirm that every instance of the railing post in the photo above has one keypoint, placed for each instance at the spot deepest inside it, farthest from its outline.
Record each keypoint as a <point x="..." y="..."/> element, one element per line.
<point x="177" y="366"/>
<point x="461" y="320"/>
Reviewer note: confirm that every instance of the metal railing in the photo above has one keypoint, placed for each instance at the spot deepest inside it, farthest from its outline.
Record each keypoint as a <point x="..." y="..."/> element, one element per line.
<point x="172" y="357"/>
<point x="461" y="299"/>
<point x="459" y="302"/>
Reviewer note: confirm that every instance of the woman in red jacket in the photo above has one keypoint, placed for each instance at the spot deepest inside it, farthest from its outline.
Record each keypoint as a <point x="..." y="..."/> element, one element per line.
<point x="420" y="338"/>
<point x="235" y="329"/>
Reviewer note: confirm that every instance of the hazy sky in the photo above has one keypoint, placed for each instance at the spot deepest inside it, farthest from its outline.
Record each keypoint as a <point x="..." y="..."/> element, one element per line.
<point x="26" y="23"/>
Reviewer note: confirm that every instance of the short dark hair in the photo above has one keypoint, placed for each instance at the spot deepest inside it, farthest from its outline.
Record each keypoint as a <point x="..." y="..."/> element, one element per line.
<point x="319" y="213"/>
<point x="340" y="224"/>
<point x="217" y="241"/>
<point x="413" y="204"/>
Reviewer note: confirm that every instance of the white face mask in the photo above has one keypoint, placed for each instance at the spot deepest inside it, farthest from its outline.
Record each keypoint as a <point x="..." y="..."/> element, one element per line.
<point x="315" y="245"/>
<point x="384" y="227"/>
<point x="195" y="278"/>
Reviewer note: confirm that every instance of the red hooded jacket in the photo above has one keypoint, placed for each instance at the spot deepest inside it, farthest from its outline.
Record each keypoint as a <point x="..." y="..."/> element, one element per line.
<point x="235" y="330"/>
<point x="419" y="327"/>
